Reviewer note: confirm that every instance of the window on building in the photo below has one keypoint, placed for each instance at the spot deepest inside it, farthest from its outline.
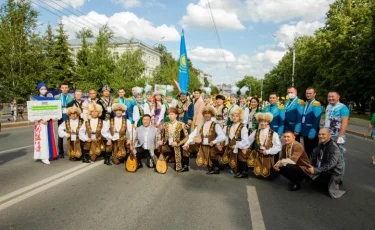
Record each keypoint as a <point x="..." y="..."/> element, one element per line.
<point x="115" y="55"/>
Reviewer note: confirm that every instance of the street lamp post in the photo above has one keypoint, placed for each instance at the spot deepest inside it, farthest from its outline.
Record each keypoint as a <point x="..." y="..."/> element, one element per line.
<point x="294" y="56"/>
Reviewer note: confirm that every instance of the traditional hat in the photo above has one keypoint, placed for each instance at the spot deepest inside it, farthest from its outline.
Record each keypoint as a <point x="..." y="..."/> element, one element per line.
<point x="264" y="117"/>
<point x="169" y="90"/>
<point x="184" y="93"/>
<point x="238" y="110"/>
<point x="40" y="85"/>
<point x="209" y="109"/>
<point x="118" y="106"/>
<point x="243" y="91"/>
<point x="72" y="110"/>
<point x="234" y="91"/>
<point x="208" y="92"/>
<point x="148" y="89"/>
<point x="173" y="110"/>
<point x="106" y="87"/>
<point x="96" y="107"/>
<point x="138" y="91"/>
<point x="219" y="96"/>
<point x="158" y="92"/>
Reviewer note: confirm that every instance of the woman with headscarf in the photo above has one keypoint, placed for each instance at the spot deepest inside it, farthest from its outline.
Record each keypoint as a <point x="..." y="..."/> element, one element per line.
<point x="44" y="134"/>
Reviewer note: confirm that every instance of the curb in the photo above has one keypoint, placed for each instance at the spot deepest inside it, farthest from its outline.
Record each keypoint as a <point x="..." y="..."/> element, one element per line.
<point x="355" y="133"/>
<point x="16" y="124"/>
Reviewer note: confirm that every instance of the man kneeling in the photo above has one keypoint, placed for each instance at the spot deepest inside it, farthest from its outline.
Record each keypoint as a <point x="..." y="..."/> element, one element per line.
<point x="145" y="142"/>
<point x="327" y="164"/>
<point x="292" y="161"/>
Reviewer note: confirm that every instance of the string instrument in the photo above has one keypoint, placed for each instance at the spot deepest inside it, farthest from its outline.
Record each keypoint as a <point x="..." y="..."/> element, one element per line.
<point x="131" y="163"/>
<point x="161" y="163"/>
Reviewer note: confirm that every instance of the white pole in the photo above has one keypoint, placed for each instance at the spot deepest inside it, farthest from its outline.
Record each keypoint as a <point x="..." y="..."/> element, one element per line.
<point x="294" y="63"/>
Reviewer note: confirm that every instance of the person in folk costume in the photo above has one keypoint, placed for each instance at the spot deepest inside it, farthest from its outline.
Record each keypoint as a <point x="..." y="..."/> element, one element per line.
<point x="90" y="133"/>
<point x="198" y="108"/>
<point x="118" y="134"/>
<point x="174" y="136"/>
<point x="149" y="100"/>
<point x="293" y="112"/>
<point x="106" y="102"/>
<point x="89" y="101"/>
<point x="221" y="111"/>
<point x="243" y="104"/>
<point x="121" y="99"/>
<point x="254" y="109"/>
<point x="145" y="139"/>
<point x="185" y="110"/>
<point x="293" y="161"/>
<point x="44" y="135"/>
<point x="278" y="112"/>
<point x="233" y="103"/>
<point x="159" y="110"/>
<point x="237" y="143"/>
<point x="140" y="109"/>
<point x="69" y="129"/>
<point x="265" y="146"/>
<point x="207" y="97"/>
<point x="207" y="138"/>
<point x="169" y="102"/>
<point x="65" y="99"/>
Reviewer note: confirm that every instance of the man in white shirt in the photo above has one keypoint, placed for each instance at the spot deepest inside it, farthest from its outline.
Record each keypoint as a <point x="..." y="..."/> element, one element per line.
<point x="118" y="133"/>
<point x="70" y="129"/>
<point x="145" y="142"/>
<point x="91" y="100"/>
<point x="206" y="140"/>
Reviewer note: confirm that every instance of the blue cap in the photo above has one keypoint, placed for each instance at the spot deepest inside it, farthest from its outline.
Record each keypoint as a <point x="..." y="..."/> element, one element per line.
<point x="40" y="85"/>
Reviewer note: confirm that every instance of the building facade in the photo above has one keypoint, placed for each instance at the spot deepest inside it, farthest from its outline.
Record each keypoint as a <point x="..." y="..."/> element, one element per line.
<point x="150" y="56"/>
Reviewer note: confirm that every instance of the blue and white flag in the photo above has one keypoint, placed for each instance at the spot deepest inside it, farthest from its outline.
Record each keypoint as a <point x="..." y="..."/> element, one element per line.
<point x="183" y="77"/>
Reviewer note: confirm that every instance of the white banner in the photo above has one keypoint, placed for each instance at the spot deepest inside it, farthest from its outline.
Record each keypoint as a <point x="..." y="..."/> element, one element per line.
<point x="44" y="110"/>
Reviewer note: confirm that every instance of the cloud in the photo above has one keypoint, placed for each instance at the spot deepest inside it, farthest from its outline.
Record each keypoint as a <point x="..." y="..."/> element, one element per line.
<point x="124" y="24"/>
<point x="280" y="10"/>
<point x="127" y="4"/>
<point x="287" y="33"/>
<point x="202" y="54"/>
<point x="199" y="16"/>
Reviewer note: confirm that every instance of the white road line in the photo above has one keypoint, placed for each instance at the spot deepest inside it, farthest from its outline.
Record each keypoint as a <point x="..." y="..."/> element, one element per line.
<point x="10" y="150"/>
<point x="39" y="183"/>
<point x="47" y="186"/>
<point x="255" y="211"/>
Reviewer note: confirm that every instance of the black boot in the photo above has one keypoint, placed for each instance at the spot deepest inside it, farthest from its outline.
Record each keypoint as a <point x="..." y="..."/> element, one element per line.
<point x="215" y="167"/>
<point x="139" y="161"/>
<point x="294" y="187"/>
<point x="185" y="165"/>
<point x="150" y="161"/>
<point x="109" y="159"/>
<point x="210" y="169"/>
<point x="62" y="155"/>
<point x="106" y="159"/>
<point x="242" y="170"/>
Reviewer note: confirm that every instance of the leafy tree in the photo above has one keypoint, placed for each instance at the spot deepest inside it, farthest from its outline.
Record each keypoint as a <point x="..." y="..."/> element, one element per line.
<point x="253" y="83"/>
<point x="206" y="82"/>
<point x="84" y="33"/>
<point x="63" y="64"/>
<point x="21" y="51"/>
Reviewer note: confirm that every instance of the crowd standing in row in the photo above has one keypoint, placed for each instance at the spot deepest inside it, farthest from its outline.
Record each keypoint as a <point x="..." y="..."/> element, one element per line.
<point x="243" y="136"/>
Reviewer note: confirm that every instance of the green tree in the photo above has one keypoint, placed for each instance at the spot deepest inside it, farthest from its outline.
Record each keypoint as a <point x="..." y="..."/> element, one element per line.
<point x="21" y="51"/>
<point x="129" y="69"/>
<point x="63" y="64"/>
<point x="49" y="44"/>
<point x="84" y="33"/>
<point x="206" y="82"/>
<point x="253" y="83"/>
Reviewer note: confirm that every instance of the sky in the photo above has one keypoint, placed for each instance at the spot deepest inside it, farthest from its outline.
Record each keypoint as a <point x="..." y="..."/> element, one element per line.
<point x="254" y="34"/>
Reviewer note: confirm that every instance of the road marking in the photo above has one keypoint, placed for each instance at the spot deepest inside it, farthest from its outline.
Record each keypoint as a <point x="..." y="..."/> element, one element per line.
<point x="39" y="183"/>
<point x="47" y="186"/>
<point x="10" y="150"/>
<point x="255" y="211"/>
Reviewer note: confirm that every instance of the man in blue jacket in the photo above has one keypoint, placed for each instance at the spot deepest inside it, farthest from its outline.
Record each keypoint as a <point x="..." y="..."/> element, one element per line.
<point x="312" y="113"/>
<point x="278" y="112"/>
<point x="293" y="113"/>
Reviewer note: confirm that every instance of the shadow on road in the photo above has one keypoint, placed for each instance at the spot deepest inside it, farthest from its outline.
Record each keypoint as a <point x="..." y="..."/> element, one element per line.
<point x="7" y="157"/>
<point x="4" y="135"/>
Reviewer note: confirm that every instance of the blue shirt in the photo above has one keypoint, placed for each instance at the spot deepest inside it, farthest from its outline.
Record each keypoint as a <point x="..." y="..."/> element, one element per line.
<point x="333" y="119"/>
<point x="293" y="115"/>
<point x="312" y="113"/>
<point x="278" y="112"/>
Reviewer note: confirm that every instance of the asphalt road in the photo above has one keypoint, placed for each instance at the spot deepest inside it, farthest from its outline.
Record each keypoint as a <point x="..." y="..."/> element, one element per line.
<point x="96" y="196"/>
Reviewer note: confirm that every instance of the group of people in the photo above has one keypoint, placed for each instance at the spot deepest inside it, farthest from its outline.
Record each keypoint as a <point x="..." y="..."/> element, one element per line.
<point x="241" y="136"/>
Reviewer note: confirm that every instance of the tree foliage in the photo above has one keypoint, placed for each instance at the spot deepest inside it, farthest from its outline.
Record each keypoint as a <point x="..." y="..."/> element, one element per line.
<point x="340" y="56"/>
